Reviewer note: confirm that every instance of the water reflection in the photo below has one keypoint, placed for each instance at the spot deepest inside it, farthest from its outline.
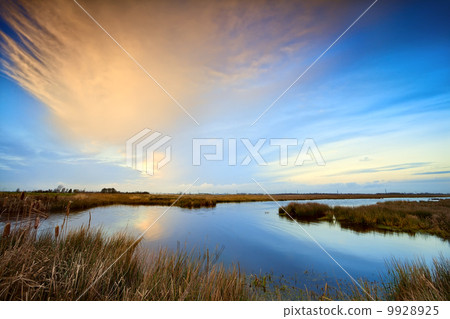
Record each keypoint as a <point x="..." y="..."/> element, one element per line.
<point x="149" y="224"/>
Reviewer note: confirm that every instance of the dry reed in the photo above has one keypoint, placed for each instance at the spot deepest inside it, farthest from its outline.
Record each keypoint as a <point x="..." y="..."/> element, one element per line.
<point x="431" y="217"/>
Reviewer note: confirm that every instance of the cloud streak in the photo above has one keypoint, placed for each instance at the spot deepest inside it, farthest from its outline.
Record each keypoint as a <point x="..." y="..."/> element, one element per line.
<point x="433" y="173"/>
<point x="388" y="168"/>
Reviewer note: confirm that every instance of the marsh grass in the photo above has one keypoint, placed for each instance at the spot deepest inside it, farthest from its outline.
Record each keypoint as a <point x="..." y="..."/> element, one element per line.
<point x="412" y="280"/>
<point x="85" y="263"/>
<point x="15" y="206"/>
<point x="431" y="217"/>
<point x="306" y="211"/>
<point x="22" y="207"/>
<point x="416" y="280"/>
<point x="57" y="202"/>
<point x="46" y="267"/>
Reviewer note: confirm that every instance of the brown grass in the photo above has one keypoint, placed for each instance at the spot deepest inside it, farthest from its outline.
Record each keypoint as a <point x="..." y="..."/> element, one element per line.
<point x="76" y="264"/>
<point x="48" y="267"/>
<point x="21" y="206"/>
<point x="416" y="281"/>
<point x="58" y="202"/>
<point x="431" y="217"/>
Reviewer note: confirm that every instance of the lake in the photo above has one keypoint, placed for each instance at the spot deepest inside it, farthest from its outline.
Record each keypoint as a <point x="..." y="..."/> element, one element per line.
<point x="255" y="236"/>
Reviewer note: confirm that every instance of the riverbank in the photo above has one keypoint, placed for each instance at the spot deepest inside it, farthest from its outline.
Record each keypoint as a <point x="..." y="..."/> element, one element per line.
<point x="86" y="264"/>
<point x="430" y="217"/>
<point x="58" y="202"/>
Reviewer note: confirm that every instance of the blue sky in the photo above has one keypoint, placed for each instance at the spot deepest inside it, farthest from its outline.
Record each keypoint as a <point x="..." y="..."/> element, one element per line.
<point x="377" y="104"/>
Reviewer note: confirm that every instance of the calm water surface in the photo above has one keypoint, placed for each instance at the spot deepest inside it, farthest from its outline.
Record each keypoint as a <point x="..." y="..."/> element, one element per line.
<point x="256" y="237"/>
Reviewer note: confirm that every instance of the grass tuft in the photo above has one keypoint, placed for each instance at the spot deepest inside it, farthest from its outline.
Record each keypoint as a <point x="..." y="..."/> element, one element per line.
<point x="417" y="281"/>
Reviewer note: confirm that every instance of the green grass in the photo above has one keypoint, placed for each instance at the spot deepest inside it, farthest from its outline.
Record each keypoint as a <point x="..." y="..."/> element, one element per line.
<point x="431" y="217"/>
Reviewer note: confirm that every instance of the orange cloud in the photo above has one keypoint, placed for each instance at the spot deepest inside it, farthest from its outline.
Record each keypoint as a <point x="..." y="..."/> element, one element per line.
<point x="96" y="92"/>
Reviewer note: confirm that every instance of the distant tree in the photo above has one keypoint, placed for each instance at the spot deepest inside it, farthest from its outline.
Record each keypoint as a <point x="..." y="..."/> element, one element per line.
<point x="18" y="190"/>
<point x="109" y="190"/>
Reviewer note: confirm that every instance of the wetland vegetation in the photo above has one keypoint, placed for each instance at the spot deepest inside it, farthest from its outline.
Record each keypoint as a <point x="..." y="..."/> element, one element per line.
<point x="86" y="264"/>
<point x="431" y="217"/>
<point x="65" y="263"/>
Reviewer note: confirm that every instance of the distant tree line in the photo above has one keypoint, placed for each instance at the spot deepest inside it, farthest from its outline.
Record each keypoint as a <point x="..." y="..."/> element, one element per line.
<point x="109" y="190"/>
<point x="62" y="189"/>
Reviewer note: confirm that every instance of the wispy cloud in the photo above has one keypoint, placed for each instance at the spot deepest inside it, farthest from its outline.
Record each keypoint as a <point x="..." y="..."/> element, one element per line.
<point x="388" y="168"/>
<point x="433" y="173"/>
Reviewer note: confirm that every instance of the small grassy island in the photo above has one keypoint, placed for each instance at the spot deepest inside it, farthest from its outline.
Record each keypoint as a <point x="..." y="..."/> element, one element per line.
<point x="430" y="217"/>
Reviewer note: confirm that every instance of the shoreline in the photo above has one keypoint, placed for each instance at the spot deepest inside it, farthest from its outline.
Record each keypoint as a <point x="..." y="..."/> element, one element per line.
<point x="58" y="202"/>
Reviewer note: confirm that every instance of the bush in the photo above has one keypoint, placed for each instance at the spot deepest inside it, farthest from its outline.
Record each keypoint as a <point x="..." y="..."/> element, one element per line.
<point x="305" y="211"/>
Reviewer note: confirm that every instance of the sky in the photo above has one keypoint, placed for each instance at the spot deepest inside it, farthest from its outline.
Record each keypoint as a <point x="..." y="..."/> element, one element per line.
<point x="376" y="103"/>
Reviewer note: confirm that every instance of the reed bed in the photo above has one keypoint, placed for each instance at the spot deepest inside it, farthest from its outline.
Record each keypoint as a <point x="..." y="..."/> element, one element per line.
<point x="412" y="280"/>
<point x="416" y="280"/>
<point x="22" y="207"/>
<point x="12" y="204"/>
<point x="57" y="202"/>
<point x="431" y="217"/>
<point x="89" y="265"/>
<point x="86" y="264"/>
